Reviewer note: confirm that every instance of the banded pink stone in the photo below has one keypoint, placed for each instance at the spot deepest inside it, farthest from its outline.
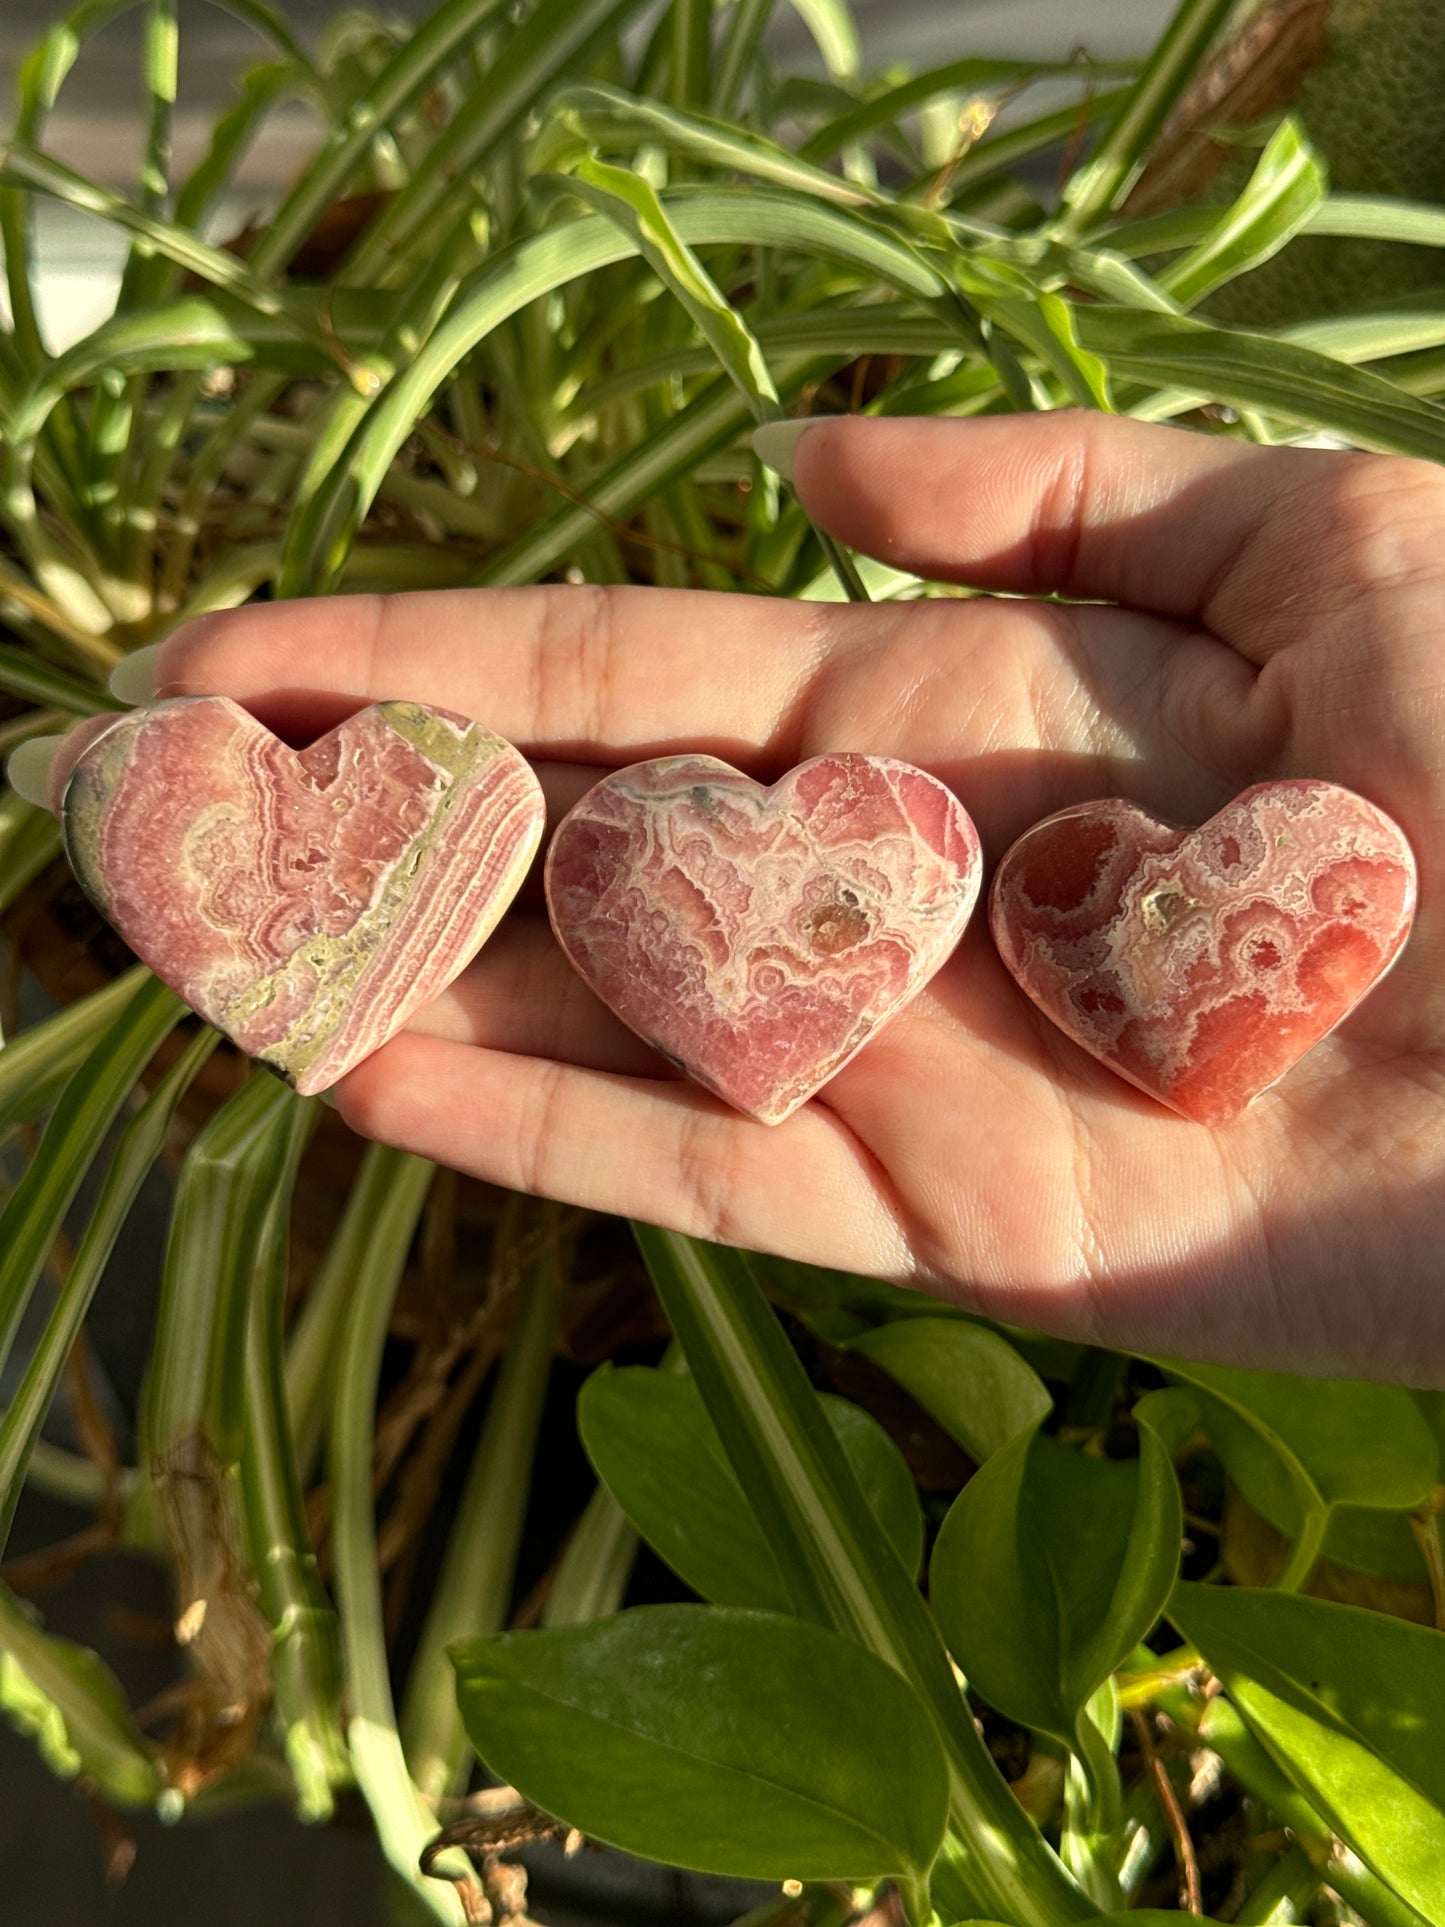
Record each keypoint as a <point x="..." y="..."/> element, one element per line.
<point x="759" y="937"/>
<point x="1202" y="964"/>
<point x="305" y="903"/>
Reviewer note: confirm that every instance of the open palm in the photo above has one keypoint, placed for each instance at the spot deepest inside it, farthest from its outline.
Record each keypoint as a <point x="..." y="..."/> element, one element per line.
<point x="1237" y="613"/>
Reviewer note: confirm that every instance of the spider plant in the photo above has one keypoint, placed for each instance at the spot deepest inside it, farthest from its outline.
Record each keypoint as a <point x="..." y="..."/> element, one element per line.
<point x="547" y="267"/>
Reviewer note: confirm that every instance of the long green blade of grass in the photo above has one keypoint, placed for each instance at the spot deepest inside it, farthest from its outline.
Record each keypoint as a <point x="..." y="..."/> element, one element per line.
<point x="139" y="1147"/>
<point x="23" y="673"/>
<point x="197" y="1380"/>
<point x="29" y="844"/>
<point x="552" y="38"/>
<point x="423" y="56"/>
<point x="474" y="1590"/>
<point x="36" y="1065"/>
<point x="1253" y="371"/>
<point x="322" y="531"/>
<point x="1286" y="188"/>
<point x="385" y="1187"/>
<point x="404" y="1822"/>
<point x="306" y="1671"/>
<point x="88" y="1106"/>
<point x="1105" y="177"/>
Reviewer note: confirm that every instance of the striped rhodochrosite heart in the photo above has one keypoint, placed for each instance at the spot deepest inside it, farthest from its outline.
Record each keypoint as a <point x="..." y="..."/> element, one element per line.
<point x="1202" y="964"/>
<point x="304" y="902"/>
<point x="759" y="937"/>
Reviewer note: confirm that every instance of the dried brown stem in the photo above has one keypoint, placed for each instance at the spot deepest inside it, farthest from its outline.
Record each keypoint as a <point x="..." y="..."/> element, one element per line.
<point x="1191" y="1893"/>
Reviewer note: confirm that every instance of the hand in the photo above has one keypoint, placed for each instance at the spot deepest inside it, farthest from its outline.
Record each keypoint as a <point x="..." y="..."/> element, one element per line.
<point x="1240" y="613"/>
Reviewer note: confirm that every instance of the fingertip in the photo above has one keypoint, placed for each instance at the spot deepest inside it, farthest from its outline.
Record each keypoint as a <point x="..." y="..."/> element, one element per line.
<point x="39" y="770"/>
<point x="775" y="444"/>
<point x="28" y="769"/>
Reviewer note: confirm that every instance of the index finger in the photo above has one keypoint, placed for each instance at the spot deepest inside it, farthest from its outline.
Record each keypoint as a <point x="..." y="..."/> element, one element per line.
<point x="1252" y="542"/>
<point x="587" y="674"/>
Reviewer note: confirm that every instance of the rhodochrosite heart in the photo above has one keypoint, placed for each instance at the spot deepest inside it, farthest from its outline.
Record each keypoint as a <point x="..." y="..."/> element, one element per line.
<point x="1201" y="964"/>
<point x="759" y="937"/>
<point x="305" y="903"/>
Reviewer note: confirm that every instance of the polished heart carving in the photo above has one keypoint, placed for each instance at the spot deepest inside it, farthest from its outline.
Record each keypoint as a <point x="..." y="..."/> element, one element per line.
<point x="1202" y="964"/>
<point x="305" y="903"/>
<point x="759" y="937"/>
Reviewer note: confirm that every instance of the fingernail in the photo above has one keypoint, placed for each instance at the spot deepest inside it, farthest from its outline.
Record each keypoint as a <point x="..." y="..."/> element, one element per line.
<point x="28" y="770"/>
<point x="775" y="442"/>
<point x="133" y="679"/>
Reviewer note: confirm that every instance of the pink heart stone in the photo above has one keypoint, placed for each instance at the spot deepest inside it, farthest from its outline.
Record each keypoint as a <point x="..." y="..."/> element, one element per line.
<point x="305" y="903"/>
<point x="1202" y="964"/>
<point x="759" y="937"/>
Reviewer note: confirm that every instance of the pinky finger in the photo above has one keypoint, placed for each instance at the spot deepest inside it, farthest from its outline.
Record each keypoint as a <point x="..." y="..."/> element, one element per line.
<point x="660" y="1151"/>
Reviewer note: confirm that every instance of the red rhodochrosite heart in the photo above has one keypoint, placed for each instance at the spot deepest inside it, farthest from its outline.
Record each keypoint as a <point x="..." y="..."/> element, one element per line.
<point x="1202" y="964"/>
<point x="305" y="903"/>
<point x="759" y="937"/>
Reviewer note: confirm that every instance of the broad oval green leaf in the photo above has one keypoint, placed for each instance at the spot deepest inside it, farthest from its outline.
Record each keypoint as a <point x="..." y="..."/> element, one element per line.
<point x="1323" y="1446"/>
<point x="728" y="1741"/>
<point x="1352" y="1705"/>
<point x="1049" y="1570"/>
<point x="653" y="1445"/>
<point x="968" y="1378"/>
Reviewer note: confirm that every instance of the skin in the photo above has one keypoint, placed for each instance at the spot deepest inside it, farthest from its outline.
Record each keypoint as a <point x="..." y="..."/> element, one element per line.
<point x="1237" y="614"/>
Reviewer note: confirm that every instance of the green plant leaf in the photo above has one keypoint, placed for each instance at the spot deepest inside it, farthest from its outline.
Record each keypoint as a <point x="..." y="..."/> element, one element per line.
<point x="651" y="1442"/>
<point x="729" y="1741"/>
<point x="30" y="842"/>
<point x="1254" y="371"/>
<point x="1286" y="188"/>
<point x="305" y="1660"/>
<point x="971" y="76"/>
<point x="139" y="1147"/>
<point x="36" y="1065"/>
<point x="474" y="1588"/>
<point x="628" y="200"/>
<point x="551" y="40"/>
<point x="23" y="673"/>
<point x="1298" y="1449"/>
<point x="1352" y="1705"/>
<point x="70" y="1703"/>
<point x="838" y="1565"/>
<point x="1105" y="177"/>
<point x="1049" y="1569"/>
<point x="88" y="1106"/>
<point x="197" y="1379"/>
<point x="968" y="1378"/>
<point x="404" y="1822"/>
<point x="324" y="526"/>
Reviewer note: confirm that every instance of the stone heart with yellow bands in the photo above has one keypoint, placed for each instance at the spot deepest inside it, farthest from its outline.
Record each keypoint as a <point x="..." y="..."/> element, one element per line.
<point x="305" y="902"/>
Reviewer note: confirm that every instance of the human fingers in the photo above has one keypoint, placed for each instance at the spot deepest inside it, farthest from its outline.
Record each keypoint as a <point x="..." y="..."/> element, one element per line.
<point x="609" y="675"/>
<point x="521" y="995"/>
<point x="663" y="1152"/>
<point x="1248" y="541"/>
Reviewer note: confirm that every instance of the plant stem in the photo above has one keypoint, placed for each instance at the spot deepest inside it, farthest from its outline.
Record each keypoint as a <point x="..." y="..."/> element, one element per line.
<point x="1428" y="1526"/>
<point x="592" y="1575"/>
<point x="475" y="1587"/>
<point x="1104" y="179"/>
<point x="404" y="1822"/>
<point x="305" y="1659"/>
<point x="1305" y="1551"/>
<point x="137" y="1151"/>
<point x="376" y="1228"/>
<point x="1284" y="1894"/>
